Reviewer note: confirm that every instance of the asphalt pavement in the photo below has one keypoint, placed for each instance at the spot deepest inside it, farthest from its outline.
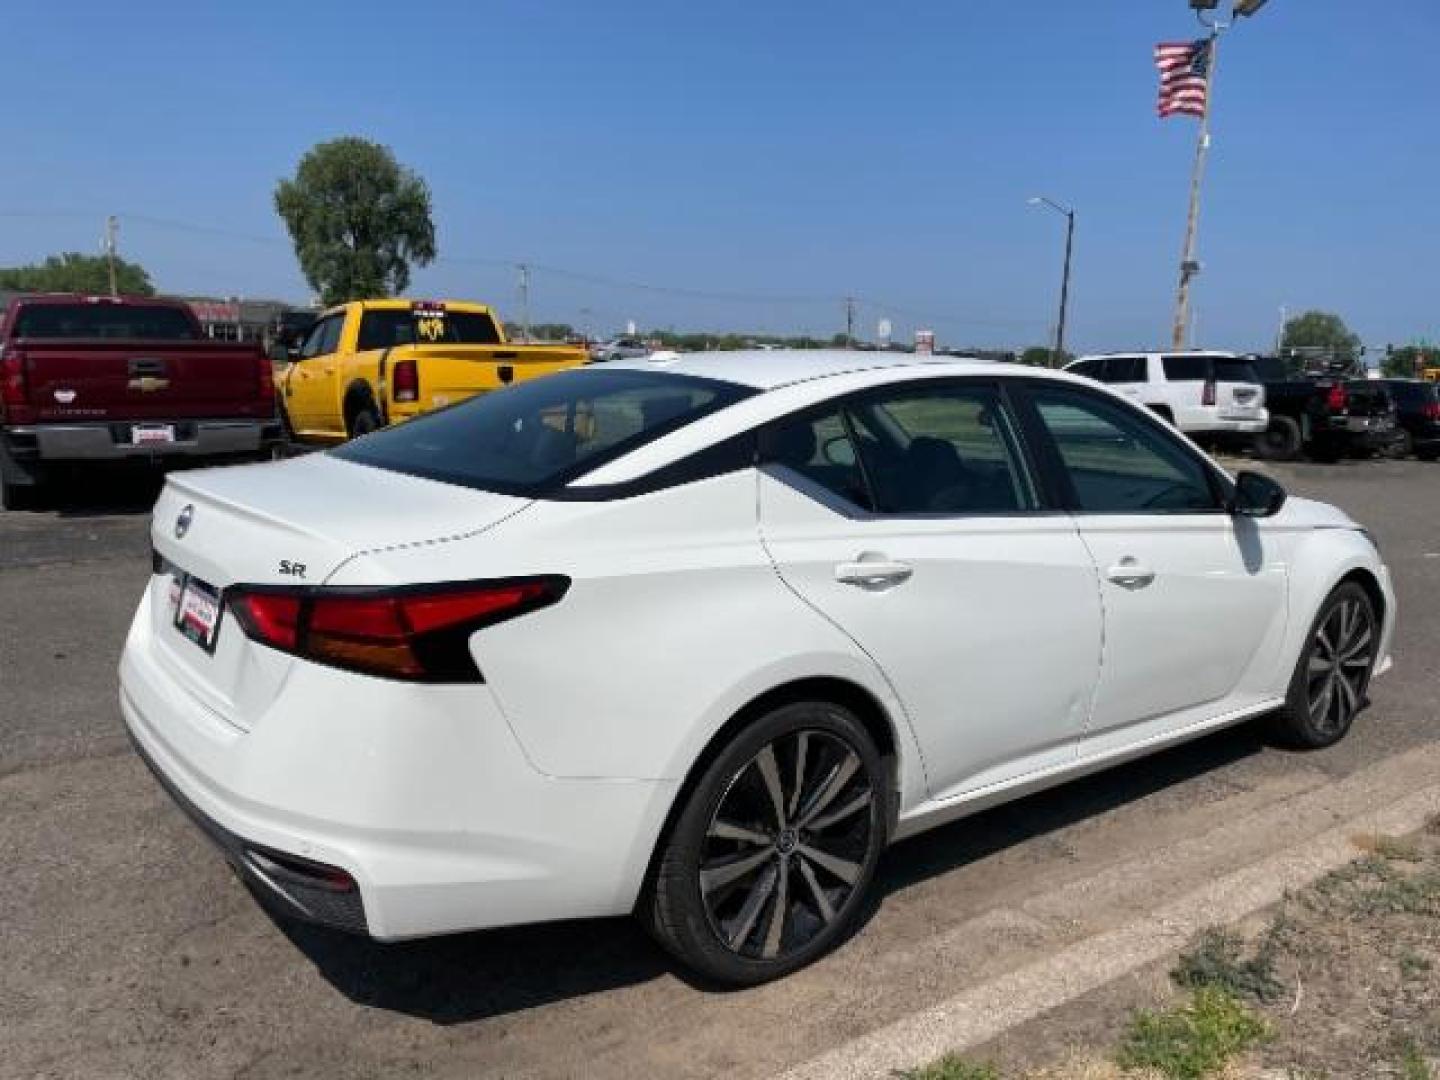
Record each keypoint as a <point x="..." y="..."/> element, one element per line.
<point x="130" y="950"/>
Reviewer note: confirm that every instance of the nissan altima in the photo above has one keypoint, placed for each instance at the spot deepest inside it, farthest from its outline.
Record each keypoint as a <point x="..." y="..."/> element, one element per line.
<point x="697" y="637"/>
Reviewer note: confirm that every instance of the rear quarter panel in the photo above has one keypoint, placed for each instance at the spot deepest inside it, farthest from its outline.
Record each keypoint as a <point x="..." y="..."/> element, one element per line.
<point x="675" y="620"/>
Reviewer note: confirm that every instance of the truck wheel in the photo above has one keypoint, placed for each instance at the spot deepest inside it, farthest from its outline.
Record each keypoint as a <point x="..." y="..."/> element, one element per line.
<point x="1280" y="441"/>
<point x="19" y="496"/>
<point x="365" y="420"/>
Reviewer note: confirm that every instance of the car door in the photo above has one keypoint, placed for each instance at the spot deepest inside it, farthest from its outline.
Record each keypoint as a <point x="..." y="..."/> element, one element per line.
<point x="910" y="518"/>
<point x="310" y="383"/>
<point x="1194" y="598"/>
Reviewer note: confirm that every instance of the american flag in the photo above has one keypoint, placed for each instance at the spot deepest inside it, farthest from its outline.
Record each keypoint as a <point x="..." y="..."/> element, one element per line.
<point x="1184" y="76"/>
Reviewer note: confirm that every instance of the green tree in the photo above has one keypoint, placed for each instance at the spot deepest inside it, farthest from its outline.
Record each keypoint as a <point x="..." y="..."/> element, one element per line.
<point x="1043" y="356"/>
<point x="1408" y="361"/>
<point x="71" y="271"/>
<point x="1321" y="333"/>
<point x="358" y="220"/>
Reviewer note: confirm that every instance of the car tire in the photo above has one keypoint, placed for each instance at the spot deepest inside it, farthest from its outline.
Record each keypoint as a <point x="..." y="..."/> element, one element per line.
<point x="789" y="817"/>
<point x="1280" y="441"/>
<point x="1331" y="678"/>
<point x="365" y="420"/>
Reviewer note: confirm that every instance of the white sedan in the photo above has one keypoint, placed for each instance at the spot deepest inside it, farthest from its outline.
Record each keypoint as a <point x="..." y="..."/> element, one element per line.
<point x="697" y="638"/>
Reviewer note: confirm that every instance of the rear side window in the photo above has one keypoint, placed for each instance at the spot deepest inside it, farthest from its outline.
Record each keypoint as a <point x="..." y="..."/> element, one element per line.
<point x="385" y="329"/>
<point x="914" y="450"/>
<point x="1201" y="368"/>
<point x="1187" y="368"/>
<point x="1124" y="369"/>
<point x="1090" y="369"/>
<point x="531" y="438"/>
<point x="103" y="321"/>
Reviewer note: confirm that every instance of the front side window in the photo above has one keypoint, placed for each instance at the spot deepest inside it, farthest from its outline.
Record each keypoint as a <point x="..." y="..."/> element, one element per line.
<point x="1119" y="462"/>
<point x="538" y="435"/>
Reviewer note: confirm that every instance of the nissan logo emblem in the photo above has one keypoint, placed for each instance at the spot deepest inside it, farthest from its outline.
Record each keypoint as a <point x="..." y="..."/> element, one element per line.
<point x="182" y="523"/>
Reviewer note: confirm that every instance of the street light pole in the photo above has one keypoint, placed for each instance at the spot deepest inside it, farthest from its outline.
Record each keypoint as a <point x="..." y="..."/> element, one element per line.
<point x="1069" y="214"/>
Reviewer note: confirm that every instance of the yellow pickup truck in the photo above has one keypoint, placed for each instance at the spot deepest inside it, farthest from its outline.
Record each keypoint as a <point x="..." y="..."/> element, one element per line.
<point x="369" y="363"/>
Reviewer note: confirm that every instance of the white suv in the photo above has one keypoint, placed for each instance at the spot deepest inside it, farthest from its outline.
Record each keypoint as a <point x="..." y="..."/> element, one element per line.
<point x="1199" y="392"/>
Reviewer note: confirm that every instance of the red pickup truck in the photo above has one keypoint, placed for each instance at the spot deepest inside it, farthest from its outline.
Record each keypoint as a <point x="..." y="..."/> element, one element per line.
<point x="89" y="379"/>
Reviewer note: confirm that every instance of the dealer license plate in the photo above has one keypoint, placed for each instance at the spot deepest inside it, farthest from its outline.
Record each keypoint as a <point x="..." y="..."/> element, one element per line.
<point x="197" y="611"/>
<point x="151" y="434"/>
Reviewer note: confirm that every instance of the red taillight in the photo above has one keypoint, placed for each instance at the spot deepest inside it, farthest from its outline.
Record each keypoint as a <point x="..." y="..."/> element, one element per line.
<point x="405" y="381"/>
<point x="421" y="634"/>
<point x="1207" y="396"/>
<point x="266" y="377"/>
<point x="1338" y="399"/>
<point x="1432" y="410"/>
<point x="271" y="618"/>
<point x="14" y="403"/>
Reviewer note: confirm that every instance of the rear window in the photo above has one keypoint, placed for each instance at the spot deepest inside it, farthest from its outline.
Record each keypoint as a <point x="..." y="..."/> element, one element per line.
<point x="532" y="438"/>
<point x="1201" y="368"/>
<point x="426" y="326"/>
<point x="103" y="320"/>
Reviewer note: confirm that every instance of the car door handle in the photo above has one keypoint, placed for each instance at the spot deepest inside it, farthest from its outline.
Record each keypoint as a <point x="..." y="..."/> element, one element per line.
<point x="1129" y="574"/>
<point x="873" y="575"/>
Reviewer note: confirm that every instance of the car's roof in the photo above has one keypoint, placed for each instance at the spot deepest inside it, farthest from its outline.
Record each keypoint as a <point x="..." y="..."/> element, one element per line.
<point x="1221" y="353"/>
<point x="768" y="369"/>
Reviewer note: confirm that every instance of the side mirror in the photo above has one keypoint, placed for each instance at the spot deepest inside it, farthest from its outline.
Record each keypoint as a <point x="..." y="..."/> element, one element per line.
<point x="1256" y="495"/>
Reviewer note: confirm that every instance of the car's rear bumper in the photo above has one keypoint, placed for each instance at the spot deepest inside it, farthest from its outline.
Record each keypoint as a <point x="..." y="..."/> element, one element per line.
<point x="113" y="441"/>
<point x="419" y="794"/>
<point x="1226" y="425"/>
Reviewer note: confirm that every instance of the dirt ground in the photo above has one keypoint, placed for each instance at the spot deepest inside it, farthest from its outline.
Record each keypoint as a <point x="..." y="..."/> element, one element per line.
<point x="1345" y="975"/>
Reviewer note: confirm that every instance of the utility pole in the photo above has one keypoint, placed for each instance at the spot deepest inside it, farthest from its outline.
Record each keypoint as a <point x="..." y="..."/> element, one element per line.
<point x="112" y="226"/>
<point x="525" y="299"/>
<point x="849" y="322"/>
<point x="1068" y="213"/>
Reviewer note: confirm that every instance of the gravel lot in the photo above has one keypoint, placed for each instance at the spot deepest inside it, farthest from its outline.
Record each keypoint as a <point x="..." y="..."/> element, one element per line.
<point x="130" y="950"/>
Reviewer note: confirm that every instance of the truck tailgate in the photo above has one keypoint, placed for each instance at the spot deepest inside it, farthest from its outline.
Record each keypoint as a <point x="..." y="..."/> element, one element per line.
<point x="452" y="373"/>
<point x="142" y="380"/>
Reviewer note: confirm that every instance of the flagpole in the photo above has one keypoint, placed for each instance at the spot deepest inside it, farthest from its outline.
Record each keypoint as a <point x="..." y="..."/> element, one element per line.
<point x="1187" y="256"/>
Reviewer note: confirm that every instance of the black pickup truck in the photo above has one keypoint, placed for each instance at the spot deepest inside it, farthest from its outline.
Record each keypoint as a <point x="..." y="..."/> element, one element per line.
<point x="1326" y="414"/>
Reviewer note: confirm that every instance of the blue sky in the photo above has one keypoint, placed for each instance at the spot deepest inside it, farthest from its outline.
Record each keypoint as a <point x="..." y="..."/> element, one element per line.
<point x="784" y="154"/>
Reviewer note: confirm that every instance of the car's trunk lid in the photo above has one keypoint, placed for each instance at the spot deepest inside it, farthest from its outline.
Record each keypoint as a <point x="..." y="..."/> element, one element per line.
<point x="292" y="523"/>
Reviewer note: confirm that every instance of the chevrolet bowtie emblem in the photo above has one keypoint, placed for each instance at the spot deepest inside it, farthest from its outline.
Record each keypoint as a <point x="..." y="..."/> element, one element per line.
<point x="148" y="383"/>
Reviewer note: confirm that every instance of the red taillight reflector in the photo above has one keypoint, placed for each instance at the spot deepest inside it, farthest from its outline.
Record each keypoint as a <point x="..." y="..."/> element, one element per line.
<point x="420" y="634"/>
<point x="1338" y="399"/>
<point x="1208" y="394"/>
<point x="270" y="618"/>
<point x="405" y="381"/>
<point x="14" y="404"/>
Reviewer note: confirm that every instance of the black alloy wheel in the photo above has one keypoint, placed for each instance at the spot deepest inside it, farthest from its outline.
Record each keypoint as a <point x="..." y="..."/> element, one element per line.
<point x="766" y="866"/>
<point x="1332" y="677"/>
